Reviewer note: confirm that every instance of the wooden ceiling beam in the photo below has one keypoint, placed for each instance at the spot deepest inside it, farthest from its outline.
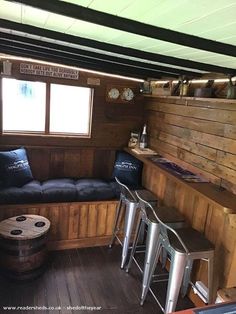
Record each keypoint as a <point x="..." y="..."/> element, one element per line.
<point x="47" y="58"/>
<point x="53" y="56"/>
<point x="130" y="52"/>
<point x="131" y="26"/>
<point x="163" y="70"/>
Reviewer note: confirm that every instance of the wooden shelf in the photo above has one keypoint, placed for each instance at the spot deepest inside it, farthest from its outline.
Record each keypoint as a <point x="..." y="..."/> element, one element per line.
<point x="192" y="98"/>
<point x="223" y="198"/>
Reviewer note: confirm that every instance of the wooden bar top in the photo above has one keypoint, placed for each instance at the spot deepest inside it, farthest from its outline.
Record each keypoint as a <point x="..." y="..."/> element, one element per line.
<point x="219" y="308"/>
<point x="223" y="198"/>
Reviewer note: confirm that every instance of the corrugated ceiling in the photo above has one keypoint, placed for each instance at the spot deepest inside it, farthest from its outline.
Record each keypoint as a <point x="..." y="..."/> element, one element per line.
<point x="211" y="20"/>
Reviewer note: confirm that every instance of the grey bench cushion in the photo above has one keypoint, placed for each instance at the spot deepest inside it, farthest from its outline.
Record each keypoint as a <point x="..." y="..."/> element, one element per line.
<point x="28" y="193"/>
<point x="59" y="190"/>
<point x="94" y="190"/>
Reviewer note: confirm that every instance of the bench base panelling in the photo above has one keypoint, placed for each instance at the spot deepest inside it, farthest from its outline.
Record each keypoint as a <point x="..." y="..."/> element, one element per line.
<point x="73" y="225"/>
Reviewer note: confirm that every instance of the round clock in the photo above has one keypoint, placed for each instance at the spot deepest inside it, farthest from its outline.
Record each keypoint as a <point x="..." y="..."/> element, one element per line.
<point x="113" y="93"/>
<point x="127" y="94"/>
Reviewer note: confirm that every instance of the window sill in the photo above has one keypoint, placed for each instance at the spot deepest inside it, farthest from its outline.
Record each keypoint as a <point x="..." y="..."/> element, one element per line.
<point x="63" y="136"/>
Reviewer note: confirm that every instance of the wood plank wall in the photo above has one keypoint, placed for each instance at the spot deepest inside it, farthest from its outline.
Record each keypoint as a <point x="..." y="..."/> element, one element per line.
<point x="111" y="121"/>
<point x="48" y="162"/>
<point x="58" y="156"/>
<point x="199" y="134"/>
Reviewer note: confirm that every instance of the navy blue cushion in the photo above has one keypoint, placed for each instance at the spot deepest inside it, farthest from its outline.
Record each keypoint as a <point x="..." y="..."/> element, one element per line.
<point x="128" y="169"/>
<point x="94" y="190"/>
<point x="59" y="190"/>
<point x="14" y="168"/>
<point x="28" y="193"/>
<point x="116" y="188"/>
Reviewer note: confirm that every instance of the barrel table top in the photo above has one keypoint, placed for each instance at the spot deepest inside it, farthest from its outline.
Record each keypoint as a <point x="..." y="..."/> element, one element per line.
<point x="24" y="227"/>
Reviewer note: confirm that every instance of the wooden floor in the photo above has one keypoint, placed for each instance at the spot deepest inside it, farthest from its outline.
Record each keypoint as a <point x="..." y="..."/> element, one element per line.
<point x="76" y="279"/>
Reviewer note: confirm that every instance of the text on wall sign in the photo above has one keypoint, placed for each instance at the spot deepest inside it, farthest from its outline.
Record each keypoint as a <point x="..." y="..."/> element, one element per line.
<point x="51" y="71"/>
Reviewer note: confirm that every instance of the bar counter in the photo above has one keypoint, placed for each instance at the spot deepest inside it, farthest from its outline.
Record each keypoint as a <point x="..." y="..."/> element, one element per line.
<point x="207" y="208"/>
<point x="212" y="192"/>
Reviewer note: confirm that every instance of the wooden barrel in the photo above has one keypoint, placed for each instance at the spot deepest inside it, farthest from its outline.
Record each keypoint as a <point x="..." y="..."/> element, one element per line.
<point x="23" y="250"/>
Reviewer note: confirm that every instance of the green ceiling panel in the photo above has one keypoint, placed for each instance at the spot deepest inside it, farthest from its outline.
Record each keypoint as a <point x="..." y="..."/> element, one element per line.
<point x="11" y="11"/>
<point x="84" y="3"/>
<point x="135" y="11"/>
<point x="112" y="6"/>
<point x="215" y="20"/>
<point x="194" y="17"/>
<point x="34" y="16"/>
<point x="211" y="21"/>
<point x="222" y="32"/>
<point x="177" y="14"/>
<point x="89" y="30"/>
<point x="59" y="23"/>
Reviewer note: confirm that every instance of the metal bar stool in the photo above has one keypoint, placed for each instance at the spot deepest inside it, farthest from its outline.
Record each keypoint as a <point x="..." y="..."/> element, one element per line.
<point x="173" y="218"/>
<point x="184" y="245"/>
<point x="131" y="203"/>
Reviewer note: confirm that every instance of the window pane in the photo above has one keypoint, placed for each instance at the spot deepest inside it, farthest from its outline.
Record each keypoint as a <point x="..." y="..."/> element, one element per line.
<point x="70" y="109"/>
<point x="23" y="105"/>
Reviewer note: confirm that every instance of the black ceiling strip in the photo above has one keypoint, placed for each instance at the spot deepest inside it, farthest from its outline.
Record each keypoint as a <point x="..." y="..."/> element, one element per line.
<point x="99" y="56"/>
<point x="131" y="26"/>
<point x="127" y="68"/>
<point x="114" y="48"/>
<point x="39" y="51"/>
<point x="47" y="58"/>
<point x="81" y="61"/>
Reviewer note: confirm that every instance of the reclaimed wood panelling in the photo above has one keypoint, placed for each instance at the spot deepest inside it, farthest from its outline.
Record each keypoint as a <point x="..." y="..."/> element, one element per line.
<point x="196" y="148"/>
<point x="166" y="150"/>
<point x="77" y="224"/>
<point x="111" y="121"/>
<point x="198" y="134"/>
<point x="207" y="215"/>
<point x="63" y="156"/>
<point x="195" y="124"/>
<point x="204" y="112"/>
<point x="50" y="162"/>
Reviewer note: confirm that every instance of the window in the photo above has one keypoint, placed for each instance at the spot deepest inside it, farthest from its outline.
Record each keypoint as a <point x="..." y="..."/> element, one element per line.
<point x="69" y="116"/>
<point x="23" y="105"/>
<point x="38" y="107"/>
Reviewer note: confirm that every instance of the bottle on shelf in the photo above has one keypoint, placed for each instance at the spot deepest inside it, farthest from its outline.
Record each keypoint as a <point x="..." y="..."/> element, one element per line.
<point x="143" y="138"/>
<point x="184" y="86"/>
<point x="231" y="91"/>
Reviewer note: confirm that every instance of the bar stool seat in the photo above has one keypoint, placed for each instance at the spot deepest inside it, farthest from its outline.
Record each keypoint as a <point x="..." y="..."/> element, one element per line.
<point x="166" y="214"/>
<point x="193" y="240"/>
<point x="184" y="245"/>
<point x="129" y="200"/>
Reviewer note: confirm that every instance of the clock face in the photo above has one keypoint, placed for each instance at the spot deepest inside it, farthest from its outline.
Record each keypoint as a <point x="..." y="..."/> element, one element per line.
<point x="113" y="93"/>
<point x="127" y="94"/>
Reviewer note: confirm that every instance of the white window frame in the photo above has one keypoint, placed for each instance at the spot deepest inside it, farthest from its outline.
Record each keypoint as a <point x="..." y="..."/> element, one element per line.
<point x="46" y="131"/>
